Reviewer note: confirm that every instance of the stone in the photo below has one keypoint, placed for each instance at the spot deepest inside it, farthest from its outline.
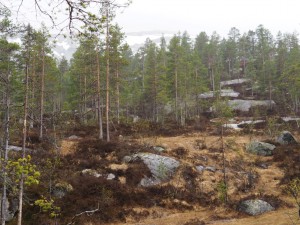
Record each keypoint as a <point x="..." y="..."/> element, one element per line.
<point x="263" y="165"/>
<point x="161" y="167"/>
<point x="148" y="182"/>
<point x="11" y="207"/>
<point x="61" y="189"/>
<point x="127" y="159"/>
<point x="110" y="176"/>
<point x="246" y="105"/>
<point x="208" y="168"/>
<point x="200" y="168"/>
<point x="74" y="137"/>
<point x="286" y="138"/>
<point x="90" y="172"/>
<point x="255" y="207"/>
<point x="260" y="148"/>
<point x="223" y="93"/>
<point x="234" y="82"/>
<point x="211" y="168"/>
<point x="16" y="148"/>
<point x="158" y="149"/>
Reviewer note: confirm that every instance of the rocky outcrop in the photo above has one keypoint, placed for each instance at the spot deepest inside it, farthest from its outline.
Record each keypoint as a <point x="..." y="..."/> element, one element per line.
<point x="222" y="93"/>
<point x="260" y="148"/>
<point x="255" y="207"/>
<point x="246" y="105"/>
<point x="234" y="82"/>
<point x="286" y="138"/>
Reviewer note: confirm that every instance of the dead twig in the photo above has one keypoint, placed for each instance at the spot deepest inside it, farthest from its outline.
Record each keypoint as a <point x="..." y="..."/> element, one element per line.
<point x="88" y="213"/>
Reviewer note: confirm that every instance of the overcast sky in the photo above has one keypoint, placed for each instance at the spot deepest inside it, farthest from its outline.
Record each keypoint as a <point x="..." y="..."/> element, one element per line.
<point x="171" y="16"/>
<point x="195" y="16"/>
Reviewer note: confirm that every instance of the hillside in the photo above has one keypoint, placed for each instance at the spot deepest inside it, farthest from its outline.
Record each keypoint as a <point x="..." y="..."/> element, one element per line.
<point x="85" y="174"/>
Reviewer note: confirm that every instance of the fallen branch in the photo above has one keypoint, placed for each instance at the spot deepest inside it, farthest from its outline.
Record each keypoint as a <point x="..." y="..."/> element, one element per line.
<point x="88" y="213"/>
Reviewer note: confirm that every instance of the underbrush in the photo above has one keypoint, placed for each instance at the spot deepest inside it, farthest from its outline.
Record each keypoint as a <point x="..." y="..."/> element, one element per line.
<point x="117" y="199"/>
<point x="288" y="158"/>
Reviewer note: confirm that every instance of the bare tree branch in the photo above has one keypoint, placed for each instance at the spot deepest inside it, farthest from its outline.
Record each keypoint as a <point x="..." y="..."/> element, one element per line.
<point x="88" y="213"/>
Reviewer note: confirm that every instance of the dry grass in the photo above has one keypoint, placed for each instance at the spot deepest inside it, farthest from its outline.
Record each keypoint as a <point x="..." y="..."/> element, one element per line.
<point x="199" y="148"/>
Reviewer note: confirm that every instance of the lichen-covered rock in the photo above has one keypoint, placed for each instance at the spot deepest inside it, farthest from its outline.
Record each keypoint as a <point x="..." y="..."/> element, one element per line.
<point x="127" y="159"/>
<point x="158" y="148"/>
<point x="208" y="168"/>
<point x="90" y="172"/>
<point x="11" y="207"/>
<point x="61" y="189"/>
<point x="255" y="207"/>
<point x="246" y="105"/>
<point x="286" y="138"/>
<point x="110" y="176"/>
<point x="74" y="137"/>
<point x="260" y="148"/>
<point x="161" y="167"/>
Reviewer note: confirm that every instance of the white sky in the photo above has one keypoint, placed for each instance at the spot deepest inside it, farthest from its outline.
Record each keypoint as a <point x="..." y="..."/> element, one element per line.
<point x="195" y="16"/>
<point x="167" y="17"/>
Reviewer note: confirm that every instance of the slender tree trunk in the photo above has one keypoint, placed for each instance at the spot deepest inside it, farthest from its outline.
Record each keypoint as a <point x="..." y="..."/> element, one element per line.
<point x="5" y="147"/>
<point x="107" y="73"/>
<point x="80" y="105"/>
<point x="213" y="80"/>
<point x="155" y="94"/>
<point x="196" y="92"/>
<point x="118" y="94"/>
<point x="270" y="93"/>
<point x="85" y="100"/>
<point x="143" y="73"/>
<point x="176" y="93"/>
<point x="60" y="102"/>
<point x="99" y="115"/>
<point x="21" y="191"/>
<point x="185" y="112"/>
<point x="42" y="95"/>
<point x="32" y="92"/>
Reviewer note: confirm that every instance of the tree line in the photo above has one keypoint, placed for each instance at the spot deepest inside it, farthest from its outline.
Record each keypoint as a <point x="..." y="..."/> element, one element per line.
<point x="163" y="81"/>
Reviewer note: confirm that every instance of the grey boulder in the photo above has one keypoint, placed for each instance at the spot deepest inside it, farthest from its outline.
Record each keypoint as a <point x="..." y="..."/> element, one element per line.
<point x="255" y="207"/>
<point x="61" y="189"/>
<point x="11" y="207"/>
<point x="260" y="148"/>
<point x="286" y="138"/>
<point x="161" y="167"/>
<point x="158" y="149"/>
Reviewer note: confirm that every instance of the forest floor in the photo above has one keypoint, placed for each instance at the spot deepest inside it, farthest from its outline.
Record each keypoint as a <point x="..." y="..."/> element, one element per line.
<point x="196" y="198"/>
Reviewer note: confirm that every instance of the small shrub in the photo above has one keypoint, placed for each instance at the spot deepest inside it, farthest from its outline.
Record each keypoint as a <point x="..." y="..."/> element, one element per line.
<point x="222" y="191"/>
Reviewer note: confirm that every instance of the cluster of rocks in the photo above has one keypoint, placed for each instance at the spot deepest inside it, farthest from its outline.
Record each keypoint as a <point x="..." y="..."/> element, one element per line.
<point x="257" y="206"/>
<point x="162" y="169"/>
<point x="267" y="149"/>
